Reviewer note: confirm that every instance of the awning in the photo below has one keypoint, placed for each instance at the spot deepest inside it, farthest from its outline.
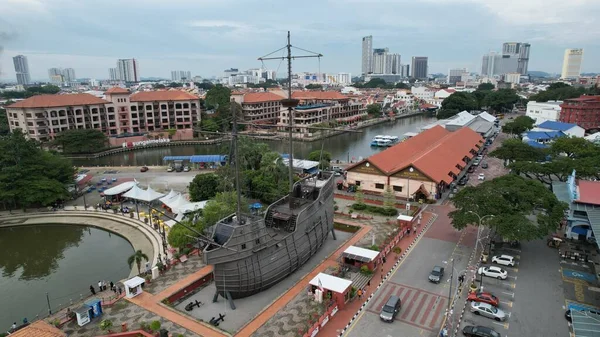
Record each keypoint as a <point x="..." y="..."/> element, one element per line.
<point x="121" y="188"/>
<point x="336" y="284"/>
<point x="404" y="218"/>
<point x="169" y="158"/>
<point x="210" y="158"/>
<point x="584" y="322"/>
<point x="593" y="215"/>
<point x="360" y="254"/>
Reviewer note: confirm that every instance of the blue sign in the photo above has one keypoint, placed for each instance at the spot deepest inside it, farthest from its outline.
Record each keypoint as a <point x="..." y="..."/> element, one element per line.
<point x="581" y="307"/>
<point x="590" y="278"/>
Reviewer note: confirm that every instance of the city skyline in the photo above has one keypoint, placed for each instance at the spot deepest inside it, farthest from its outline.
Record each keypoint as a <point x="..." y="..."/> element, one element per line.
<point x="220" y="38"/>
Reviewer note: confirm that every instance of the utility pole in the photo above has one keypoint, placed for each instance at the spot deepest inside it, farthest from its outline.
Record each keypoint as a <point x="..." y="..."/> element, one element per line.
<point x="233" y="108"/>
<point x="49" y="308"/>
<point x="450" y="289"/>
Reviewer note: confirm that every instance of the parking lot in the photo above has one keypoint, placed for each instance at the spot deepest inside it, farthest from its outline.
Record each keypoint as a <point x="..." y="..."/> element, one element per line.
<point x="531" y="296"/>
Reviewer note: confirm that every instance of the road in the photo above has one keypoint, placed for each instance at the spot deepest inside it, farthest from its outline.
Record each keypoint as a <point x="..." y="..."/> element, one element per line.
<point x="423" y="303"/>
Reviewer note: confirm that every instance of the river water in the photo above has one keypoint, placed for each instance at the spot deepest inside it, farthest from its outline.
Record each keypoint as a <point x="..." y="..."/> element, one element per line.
<point x="342" y="147"/>
<point x="62" y="260"/>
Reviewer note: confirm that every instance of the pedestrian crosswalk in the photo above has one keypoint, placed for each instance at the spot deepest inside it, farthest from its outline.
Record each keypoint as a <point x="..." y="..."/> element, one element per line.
<point x="419" y="308"/>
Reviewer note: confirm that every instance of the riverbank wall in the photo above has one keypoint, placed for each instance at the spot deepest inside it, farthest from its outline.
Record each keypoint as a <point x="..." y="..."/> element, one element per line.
<point x="215" y="141"/>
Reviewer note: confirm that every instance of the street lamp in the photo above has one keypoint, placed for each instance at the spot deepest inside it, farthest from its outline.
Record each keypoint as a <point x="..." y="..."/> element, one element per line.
<point x="451" y="298"/>
<point x="479" y="229"/>
<point x="410" y="170"/>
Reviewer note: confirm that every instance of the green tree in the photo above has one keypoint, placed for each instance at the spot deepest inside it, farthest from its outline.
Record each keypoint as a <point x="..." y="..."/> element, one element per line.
<point x="446" y="113"/>
<point x="31" y="176"/>
<point x="4" y="128"/>
<point x="324" y="159"/>
<point x="179" y="236"/>
<point x="203" y="186"/>
<point x="516" y="150"/>
<point x="158" y="86"/>
<point x="515" y="208"/>
<point x="81" y="141"/>
<point x="359" y="196"/>
<point x="206" y="85"/>
<point x="374" y="109"/>
<point x="501" y="100"/>
<point x="313" y="86"/>
<point x="401" y="85"/>
<point x="175" y="85"/>
<point x="389" y="198"/>
<point x="138" y="257"/>
<point x="519" y="125"/>
<point x="460" y="101"/>
<point x="224" y="204"/>
<point x="558" y="91"/>
<point x="485" y="87"/>
<point x="217" y="96"/>
<point x="209" y="125"/>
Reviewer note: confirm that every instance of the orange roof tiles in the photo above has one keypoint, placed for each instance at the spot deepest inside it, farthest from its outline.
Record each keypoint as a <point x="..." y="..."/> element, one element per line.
<point x="435" y="152"/>
<point x="39" y="329"/>
<point x="589" y="192"/>
<point x="162" y="95"/>
<point x="50" y="101"/>
<point x="117" y="90"/>
<point x="259" y="97"/>
<point x="319" y="95"/>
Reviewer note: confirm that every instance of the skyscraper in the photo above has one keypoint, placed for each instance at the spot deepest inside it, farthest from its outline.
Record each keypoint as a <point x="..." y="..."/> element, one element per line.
<point x="367" y="54"/>
<point x="519" y="51"/>
<point x="405" y="70"/>
<point x="55" y="75"/>
<point x="419" y="67"/>
<point x="22" y="69"/>
<point x="128" y="70"/>
<point x="69" y="75"/>
<point x="113" y="74"/>
<point x="379" y="60"/>
<point x="454" y="75"/>
<point x="490" y="64"/>
<point x="395" y="66"/>
<point x="572" y="63"/>
<point x="181" y="75"/>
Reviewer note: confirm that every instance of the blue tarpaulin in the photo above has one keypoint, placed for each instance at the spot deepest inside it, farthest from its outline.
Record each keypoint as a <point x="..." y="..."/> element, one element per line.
<point x="169" y="158"/>
<point x="256" y="205"/>
<point x="209" y="158"/>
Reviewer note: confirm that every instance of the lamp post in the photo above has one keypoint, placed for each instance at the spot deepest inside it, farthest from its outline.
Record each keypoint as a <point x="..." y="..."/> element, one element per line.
<point x="479" y="230"/>
<point x="410" y="171"/>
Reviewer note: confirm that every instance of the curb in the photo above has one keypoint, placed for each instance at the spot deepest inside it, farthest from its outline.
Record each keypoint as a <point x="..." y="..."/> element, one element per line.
<point x="389" y="273"/>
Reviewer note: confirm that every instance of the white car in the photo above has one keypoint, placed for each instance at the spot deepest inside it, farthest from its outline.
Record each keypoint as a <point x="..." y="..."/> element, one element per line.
<point x="487" y="310"/>
<point x="495" y="272"/>
<point x="505" y="260"/>
<point x="481" y="176"/>
<point x="170" y="169"/>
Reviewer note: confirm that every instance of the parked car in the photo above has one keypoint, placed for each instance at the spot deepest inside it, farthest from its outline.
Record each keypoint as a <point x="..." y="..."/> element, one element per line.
<point x="144" y="169"/>
<point x="170" y="169"/>
<point x="436" y="274"/>
<point x="476" y="162"/>
<point x="479" y="331"/>
<point x="481" y="176"/>
<point x="484" y="297"/>
<point x="480" y="157"/>
<point x="492" y="271"/>
<point x="471" y="169"/>
<point x="186" y="169"/>
<point x="390" y="309"/>
<point x="463" y="181"/>
<point x="488" y="310"/>
<point x="505" y="260"/>
<point x="179" y="169"/>
<point x="484" y="165"/>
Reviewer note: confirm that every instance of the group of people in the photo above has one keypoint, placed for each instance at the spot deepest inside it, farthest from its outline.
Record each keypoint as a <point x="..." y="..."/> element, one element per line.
<point x="103" y="287"/>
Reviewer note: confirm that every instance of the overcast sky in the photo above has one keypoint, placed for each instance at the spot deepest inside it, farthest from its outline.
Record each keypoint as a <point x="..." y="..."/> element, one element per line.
<point x="208" y="36"/>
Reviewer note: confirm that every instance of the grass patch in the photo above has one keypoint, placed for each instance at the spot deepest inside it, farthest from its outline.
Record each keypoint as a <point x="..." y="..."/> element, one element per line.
<point x="385" y="211"/>
<point x="345" y="228"/>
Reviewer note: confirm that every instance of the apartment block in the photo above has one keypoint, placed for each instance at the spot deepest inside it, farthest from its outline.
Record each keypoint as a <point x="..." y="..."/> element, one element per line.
<point x="583" y="111"/>
<point x="259" y="107"/>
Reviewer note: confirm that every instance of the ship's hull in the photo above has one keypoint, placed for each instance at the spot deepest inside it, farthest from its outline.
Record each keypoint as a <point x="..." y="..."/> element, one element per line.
<point x="259" y="271"/>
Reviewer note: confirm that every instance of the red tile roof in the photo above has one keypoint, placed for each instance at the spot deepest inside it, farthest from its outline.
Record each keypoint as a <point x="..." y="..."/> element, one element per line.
<point x="39" y="329"/>
<point x="117" y="90"/>
<point x="319" y="95"/>
<point x="589" y="192"/>
<point x="435" y="152"/>
<point x="585" y="98"/>
<point x="162" y="95"/>
<point x="50" y="101"/>
<point x="259" y="97"/>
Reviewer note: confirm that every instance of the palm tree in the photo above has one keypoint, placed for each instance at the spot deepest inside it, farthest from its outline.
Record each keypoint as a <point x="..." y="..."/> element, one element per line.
<point x="137" y="259"/>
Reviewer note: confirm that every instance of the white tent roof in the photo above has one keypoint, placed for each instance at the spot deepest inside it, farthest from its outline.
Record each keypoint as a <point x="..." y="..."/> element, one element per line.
<point x="358" y="251"/>
<point x="172" y="223"/>
<point x="169" y="196"/>
<point x="404" y="218"/>
<point x="123" y="187"/>
<point x="150" y="195"/>
<point x="143" y="195"/>
<point x="339" y="285"/>
<point x="191" y="207"/>
<point x="134" y="282"/>
<point x="177" y="202"/>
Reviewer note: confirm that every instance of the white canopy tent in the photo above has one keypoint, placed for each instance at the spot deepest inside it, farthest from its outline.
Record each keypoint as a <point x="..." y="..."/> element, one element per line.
<point x="147" y="195"/>
<point x="177" y="202"/>
<point x="169" y="196"/>
<point x="178" y="218"/>
<point x="121" y="188"/>
<point x="190" y="207"/>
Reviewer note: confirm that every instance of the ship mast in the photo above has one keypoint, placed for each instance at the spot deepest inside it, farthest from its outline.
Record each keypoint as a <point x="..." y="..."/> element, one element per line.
<point x="290" y="103"/>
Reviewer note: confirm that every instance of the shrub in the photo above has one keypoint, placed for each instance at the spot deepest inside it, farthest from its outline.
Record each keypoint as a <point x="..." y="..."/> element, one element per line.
<point x="106" y="324"/>
<point x="397" y="250"/>
<point x="365" y="270"/>
<point x="359" y="206"/>
<point x="143" y="325"/>
<point x="385" y="211"/>
<point x="155" y="326"/>
<point x="374" y="247"/>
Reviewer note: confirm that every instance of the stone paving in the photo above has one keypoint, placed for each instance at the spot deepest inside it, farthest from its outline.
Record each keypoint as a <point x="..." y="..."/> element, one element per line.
<point x="176" y="273"/>
<point x="123" y="312"/>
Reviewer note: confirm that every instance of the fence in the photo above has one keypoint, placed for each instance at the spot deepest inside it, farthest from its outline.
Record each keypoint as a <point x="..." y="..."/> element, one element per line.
<point x="322" y="321"/>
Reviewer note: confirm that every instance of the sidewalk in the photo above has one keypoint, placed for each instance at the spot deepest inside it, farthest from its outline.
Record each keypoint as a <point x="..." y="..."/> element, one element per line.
<point x="344" y="316"/>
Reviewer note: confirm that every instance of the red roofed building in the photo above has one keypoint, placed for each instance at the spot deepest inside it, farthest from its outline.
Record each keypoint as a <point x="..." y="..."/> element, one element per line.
<point x="421" y="167"/>
<point x="317" y="107"/>
<point x="583" y="111"/>
<point x="42" y="117"/>
<point x="259" y="107"/>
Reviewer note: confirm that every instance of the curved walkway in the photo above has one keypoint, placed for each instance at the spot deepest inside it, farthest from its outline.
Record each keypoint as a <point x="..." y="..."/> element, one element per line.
<point x="141" y="236"/>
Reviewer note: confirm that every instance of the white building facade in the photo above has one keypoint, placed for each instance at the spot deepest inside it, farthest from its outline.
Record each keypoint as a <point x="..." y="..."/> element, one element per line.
<point x="543" y="111"/>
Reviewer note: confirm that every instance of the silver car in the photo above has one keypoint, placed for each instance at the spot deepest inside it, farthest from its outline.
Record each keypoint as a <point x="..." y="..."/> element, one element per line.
<point x="487" y="310"/>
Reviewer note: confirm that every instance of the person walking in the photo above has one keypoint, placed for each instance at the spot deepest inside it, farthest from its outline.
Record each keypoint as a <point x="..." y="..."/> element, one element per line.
<point x="112" y="286"/>
<point x="93" y="290"/>
<point x="99" y="285"/>
<point x="415" y="230"/>
<point x="408" y="231"/>
<point x="359" y="292"/>
<point x="104" y="284"/>
<point x="14" y="326"/>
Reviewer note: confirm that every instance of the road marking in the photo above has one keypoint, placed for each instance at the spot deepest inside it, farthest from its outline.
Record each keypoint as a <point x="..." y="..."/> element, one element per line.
<point x="511" y="294"/>
<point x="509" y="303"/>
<point x="389" y="278"/>
<point x="513" y="277"/>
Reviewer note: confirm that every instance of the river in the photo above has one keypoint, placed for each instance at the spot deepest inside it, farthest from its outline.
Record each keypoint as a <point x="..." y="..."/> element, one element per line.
<point x="342" y="147"/>
<point x="61" y="260"/>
